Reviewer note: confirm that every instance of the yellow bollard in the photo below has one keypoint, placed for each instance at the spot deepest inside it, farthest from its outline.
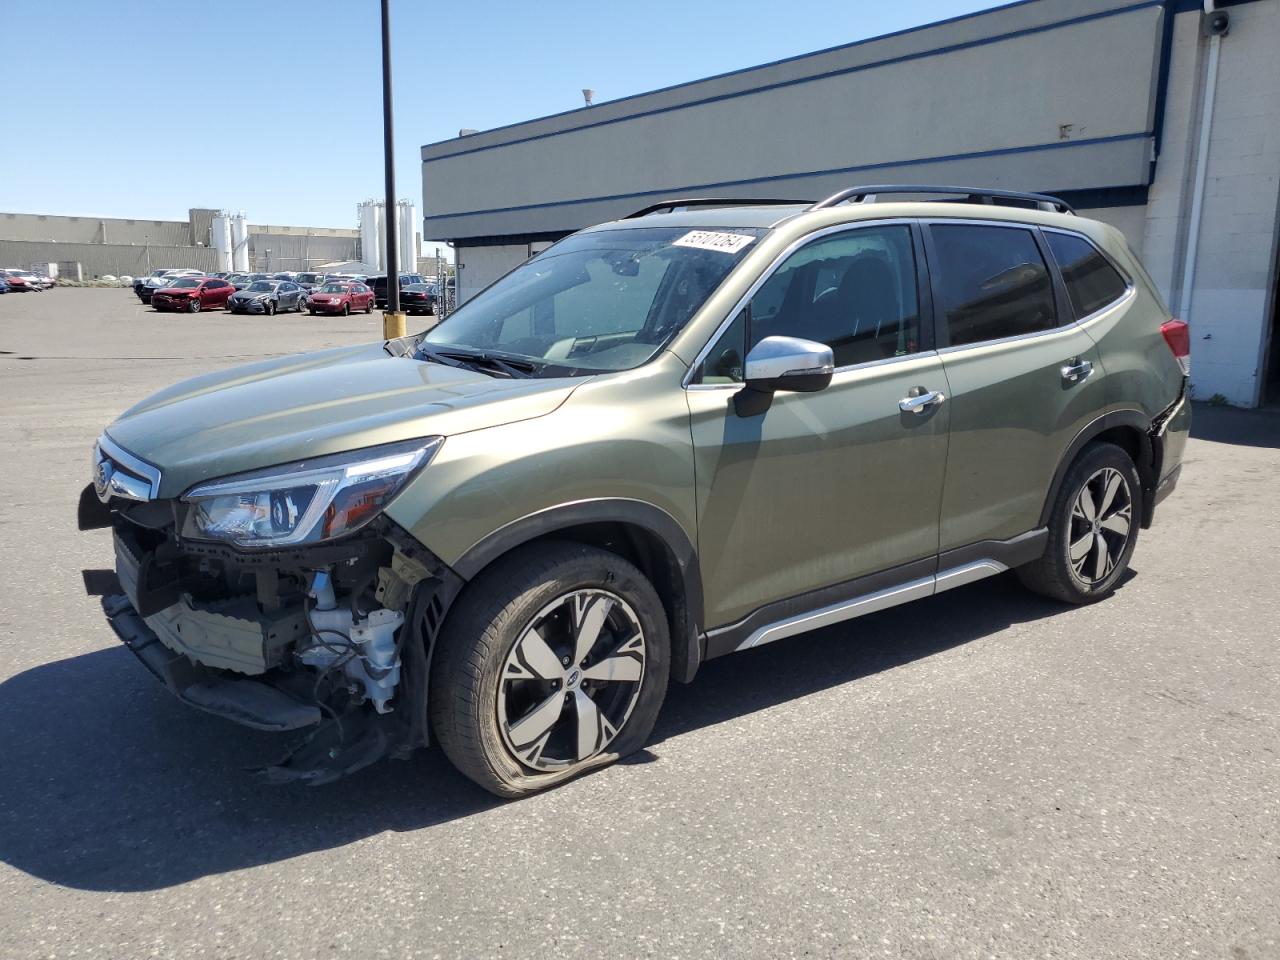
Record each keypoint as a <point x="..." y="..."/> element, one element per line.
<point x="393" y="325"/>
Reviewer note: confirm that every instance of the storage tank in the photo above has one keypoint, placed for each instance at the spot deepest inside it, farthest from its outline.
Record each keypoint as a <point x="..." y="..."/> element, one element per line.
<point x="406" y="236"/>
<point x="372" y="236"/>
<point x="222" y="239"/>
<point x="239" y="243"/>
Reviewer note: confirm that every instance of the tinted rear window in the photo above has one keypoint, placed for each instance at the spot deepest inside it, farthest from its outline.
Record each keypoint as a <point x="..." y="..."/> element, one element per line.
<point x="994" y="282"/>
<point x="1092" y="282"/>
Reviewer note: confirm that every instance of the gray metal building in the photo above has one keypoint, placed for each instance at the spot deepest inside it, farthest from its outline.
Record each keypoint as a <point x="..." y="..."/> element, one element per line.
<point x="105" y="245"/>
<point x="1130" y="109"/>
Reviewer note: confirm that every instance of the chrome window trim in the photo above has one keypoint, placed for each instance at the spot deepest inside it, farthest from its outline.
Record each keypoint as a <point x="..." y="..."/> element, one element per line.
<point x="765" y="274"/>
<point x="114" y="451"/>
<point x="873" y="602"/>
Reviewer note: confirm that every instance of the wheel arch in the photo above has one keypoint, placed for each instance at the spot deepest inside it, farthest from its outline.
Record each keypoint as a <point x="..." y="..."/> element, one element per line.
<point x="641" y="533"/>
<point x="1130" y="430"/>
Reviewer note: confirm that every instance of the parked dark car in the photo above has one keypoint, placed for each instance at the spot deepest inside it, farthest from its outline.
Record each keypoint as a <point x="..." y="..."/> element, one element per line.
<point x="4" y="284"/>
<point x="268" y="296"/>
<point x="339" y="297"/>
<point x="309" y="281"/>
<point x="418" y="298"/>
<point x="192" y="294"/>
<point x="379" y="286"/>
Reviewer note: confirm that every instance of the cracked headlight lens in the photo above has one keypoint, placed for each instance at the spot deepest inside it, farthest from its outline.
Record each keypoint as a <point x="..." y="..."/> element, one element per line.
<point x="305" y="502"/>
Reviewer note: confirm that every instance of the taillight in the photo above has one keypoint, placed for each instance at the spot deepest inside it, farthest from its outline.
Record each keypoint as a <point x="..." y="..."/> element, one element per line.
<point x="1177" y="334"/>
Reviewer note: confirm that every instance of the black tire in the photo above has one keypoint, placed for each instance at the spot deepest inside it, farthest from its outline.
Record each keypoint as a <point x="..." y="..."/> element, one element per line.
<point x="484" y="626"/>
<point x="346" y="309"/>
<point x="193" y="305"/>
<point x="271" y="308"/>
<point x="1054" y="574"/>
<point x="368" y="307"/>
<point x="312" y="312"/>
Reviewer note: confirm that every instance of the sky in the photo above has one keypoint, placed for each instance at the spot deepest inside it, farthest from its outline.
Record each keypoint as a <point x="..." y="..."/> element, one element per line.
<point x="144" y="108"/>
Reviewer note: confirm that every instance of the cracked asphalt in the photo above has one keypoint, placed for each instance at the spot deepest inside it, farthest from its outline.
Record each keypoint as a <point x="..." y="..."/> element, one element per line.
<point x="982" y="774"/>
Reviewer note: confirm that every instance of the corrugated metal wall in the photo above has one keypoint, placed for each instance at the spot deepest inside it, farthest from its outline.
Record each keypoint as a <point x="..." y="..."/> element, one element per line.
<point x="298" y="251"/>
<point x="98" y="259"/>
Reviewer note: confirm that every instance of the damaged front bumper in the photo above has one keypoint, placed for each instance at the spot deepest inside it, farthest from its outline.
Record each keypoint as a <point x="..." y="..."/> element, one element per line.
<point x="330" y="640"/>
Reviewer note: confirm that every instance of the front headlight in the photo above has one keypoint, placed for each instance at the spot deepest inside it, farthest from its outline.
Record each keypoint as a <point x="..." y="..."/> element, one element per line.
<point x="305" y="502"/>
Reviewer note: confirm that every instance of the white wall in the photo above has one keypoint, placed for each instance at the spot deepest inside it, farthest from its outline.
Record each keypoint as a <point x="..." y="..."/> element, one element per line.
<point x="1236" y="262"/>
<point x="480" y="266"/>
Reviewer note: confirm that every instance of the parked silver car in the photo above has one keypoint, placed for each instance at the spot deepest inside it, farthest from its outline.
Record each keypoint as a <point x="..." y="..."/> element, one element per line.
<point x="268" y="296"/>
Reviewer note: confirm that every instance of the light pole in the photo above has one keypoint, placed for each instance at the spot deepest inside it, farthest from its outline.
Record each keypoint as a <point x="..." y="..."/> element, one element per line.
<point x="393" y="321"/>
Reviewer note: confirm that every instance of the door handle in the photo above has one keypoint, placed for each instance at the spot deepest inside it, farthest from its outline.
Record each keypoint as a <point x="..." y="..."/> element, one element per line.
<point x="921" y="400"/>
<point x="1076" y="370"/>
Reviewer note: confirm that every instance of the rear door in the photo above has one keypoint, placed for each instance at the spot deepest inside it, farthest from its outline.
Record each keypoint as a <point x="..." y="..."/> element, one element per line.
<point x="822" y="488"/>
<point x="1023" y="377"/>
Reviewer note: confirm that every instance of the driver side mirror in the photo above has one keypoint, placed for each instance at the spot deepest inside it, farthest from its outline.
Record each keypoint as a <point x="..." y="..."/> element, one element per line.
<point x="782" y="363"/>
<point x="789" y="363"/>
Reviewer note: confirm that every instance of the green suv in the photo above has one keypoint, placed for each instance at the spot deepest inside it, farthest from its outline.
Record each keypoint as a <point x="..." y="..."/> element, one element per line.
<point x="708" y="426"/>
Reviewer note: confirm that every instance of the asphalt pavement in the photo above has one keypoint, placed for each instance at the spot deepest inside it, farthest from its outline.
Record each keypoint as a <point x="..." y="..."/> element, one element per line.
<point x="982" y="774"/>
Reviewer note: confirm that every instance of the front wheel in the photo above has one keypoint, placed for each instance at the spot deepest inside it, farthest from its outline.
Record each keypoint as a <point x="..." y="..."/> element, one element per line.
<point x="194" y="305"/>
<point x="271" y="308"/>
<point x="1093" y="528"/>
<point x="554" y="662"/>
<point x="346" y="309"/>
<point x="312" y="311"/>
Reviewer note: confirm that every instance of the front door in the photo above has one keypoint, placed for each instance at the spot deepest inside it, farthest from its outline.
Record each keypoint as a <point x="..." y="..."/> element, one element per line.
<point x="822" y="488"/>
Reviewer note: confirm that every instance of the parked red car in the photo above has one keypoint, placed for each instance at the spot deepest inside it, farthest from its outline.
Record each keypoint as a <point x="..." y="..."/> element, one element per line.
<point x="192" y="294"/>
<point x="341" y="298"/>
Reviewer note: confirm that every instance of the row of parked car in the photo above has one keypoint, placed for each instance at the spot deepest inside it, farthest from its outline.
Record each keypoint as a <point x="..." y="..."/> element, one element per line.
<point x="15" y="280"/>
<point x="270" y="293"/>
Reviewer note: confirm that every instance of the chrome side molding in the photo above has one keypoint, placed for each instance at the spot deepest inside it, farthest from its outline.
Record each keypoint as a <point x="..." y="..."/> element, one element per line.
<point x="873" y="602"/>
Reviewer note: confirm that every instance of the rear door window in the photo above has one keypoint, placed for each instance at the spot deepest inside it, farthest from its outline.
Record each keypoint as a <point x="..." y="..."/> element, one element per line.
<point x="991" y="282"/>
<point x="1092" y="282"/>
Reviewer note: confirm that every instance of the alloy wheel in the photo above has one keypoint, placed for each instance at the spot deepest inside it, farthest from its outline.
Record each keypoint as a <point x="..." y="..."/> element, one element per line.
<point x="571" y="680"/>
<point x="1100" y="525"/>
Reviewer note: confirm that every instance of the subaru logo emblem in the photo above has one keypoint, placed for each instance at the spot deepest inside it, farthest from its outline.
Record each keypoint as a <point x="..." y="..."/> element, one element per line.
<point x="102" y="479"/>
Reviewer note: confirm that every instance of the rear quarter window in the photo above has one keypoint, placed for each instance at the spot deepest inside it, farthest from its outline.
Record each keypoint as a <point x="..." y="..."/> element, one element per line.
<point x="1092" y="282"/>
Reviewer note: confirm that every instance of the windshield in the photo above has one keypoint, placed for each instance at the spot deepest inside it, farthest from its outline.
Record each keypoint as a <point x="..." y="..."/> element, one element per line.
<point x="599" y="301"/>
<point x="334" y="288"/>
<point x="261" y="286"/>
<point x="308" y="277"/>
<point x="185" y="283"/>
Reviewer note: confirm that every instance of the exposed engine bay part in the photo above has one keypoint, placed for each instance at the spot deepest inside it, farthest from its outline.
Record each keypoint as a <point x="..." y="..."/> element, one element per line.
<point x="365" y="649"/>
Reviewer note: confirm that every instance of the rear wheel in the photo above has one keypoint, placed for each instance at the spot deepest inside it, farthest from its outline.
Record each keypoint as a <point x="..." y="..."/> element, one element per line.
<point x="368" y="306"/>
<point x="553" y="663"/>
<point x="1093" y="528"/>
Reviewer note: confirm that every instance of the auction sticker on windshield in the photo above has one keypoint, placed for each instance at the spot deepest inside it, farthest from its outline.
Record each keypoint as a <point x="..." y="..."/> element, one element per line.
<point x="711" y="240"/>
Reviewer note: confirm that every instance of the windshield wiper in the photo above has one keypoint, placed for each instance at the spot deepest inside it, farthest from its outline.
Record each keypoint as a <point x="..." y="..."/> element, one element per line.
<point x="483" y="361"/>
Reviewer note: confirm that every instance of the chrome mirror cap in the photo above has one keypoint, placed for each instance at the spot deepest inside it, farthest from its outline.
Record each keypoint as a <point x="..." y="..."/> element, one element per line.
<point x="789" y="363"/>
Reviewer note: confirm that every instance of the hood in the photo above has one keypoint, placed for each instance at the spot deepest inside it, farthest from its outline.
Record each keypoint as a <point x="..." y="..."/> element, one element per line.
<point x="252" y="294"/>
<point x="290" y="408"/>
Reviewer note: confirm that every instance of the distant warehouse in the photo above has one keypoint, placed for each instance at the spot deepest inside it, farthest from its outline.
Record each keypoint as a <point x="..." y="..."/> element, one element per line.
<point x="1152" y="115"/>
<point x="98" y="246"/>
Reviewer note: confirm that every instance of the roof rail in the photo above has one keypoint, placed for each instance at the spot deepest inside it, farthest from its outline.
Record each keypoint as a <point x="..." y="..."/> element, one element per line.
<point x="712" y="202"/>
<point x="982" y="195"/>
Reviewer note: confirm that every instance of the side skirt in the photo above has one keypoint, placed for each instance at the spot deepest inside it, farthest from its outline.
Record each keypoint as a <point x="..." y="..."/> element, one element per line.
<point x="954" y="568"/>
